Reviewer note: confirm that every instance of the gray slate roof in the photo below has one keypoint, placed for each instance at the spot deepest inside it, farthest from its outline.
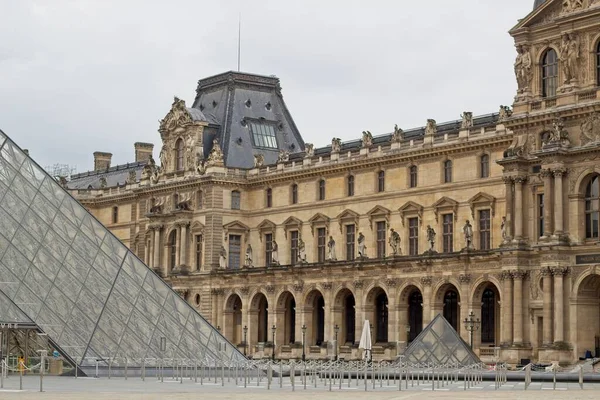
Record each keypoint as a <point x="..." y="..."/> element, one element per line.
<point x="538" y="3"/>
<point x="115" y="176"/>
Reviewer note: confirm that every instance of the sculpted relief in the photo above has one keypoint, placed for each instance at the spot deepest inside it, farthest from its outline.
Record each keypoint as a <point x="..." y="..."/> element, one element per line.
<point x="590" y="129"/>
<point x="572" y="5"/>
<point x="178" y="116"/>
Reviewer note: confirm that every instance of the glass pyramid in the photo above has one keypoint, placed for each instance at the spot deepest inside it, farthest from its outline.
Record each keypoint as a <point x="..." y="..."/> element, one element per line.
<point x="61" y="269"/>
<point x="439" y="344"/>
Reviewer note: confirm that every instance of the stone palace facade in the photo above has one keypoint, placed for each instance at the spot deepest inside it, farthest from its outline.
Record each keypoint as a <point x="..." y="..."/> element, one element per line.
<point x="277" y="241"/>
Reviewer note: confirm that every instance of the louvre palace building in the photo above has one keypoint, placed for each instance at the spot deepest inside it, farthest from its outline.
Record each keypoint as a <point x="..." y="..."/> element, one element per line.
<point x="288" y="247"/>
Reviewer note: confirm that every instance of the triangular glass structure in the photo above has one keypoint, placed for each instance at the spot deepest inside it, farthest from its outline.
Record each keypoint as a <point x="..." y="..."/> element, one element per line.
<point x="440" y="344"/>
<point x="61" y="269"/>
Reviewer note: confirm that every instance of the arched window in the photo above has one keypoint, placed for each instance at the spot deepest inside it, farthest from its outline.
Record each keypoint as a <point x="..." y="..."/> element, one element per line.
<point x="269" y="198"/>
<point x="549" y="73"/>
<point x="415" y="315"/>
<point x="351" y="185"/>
<point x="322" y="189"/>
<point x="598" y="64"/>
<point x="488" y="316"/>
<point x="381" y="308"/>
<point x="451" y="310"/>
<point x="179" y="154"/>
<point x="294" y="194"/>
<point x="592" y="208"/>
<point x="447" y="171"/>
<point x="413" y="176"/>
<point x="381" y="181"/>
<point x="172" y="249"/>
<point x="484" y="166"/>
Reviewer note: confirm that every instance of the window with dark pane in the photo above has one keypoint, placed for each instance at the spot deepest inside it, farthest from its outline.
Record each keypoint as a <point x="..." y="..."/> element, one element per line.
<point x="413" y="176"/>
<point x="172" y="249"/>
<point x="413" y="236"/>
<point x="488" y="316"/>
<point x="268" y="249"/>
<point x="235" y="200"/>
<point x="199" y="201"/>
<point x="350" y="183"/>
<point x="294" y="194"/>
<point x="321" y="244"/>
<point x="448" y="233"/>
<point x="179" y="154"/>
<point x="269" y="198"/>
<point x="598" y="64"/>
<point x="115" y="215"/>
<point x="540" y="202"/>
<point x="592" y="208"/>
<point x="381" y="231"/>
<point x="294" y="247"/>
<point x="484" y="229"/>
<point x="484" y="166"/>
<point x="235" y="247"/>
<point x="350" y="241"/>
<point x="549" y="73"/>
<point x="447" y="171"/>
<point x="381" y="308"/>
<point x="381" y="181"/>
<point x="198" y="241"/>
<point x="263" y="134"/>
<point x="322" y="189"/>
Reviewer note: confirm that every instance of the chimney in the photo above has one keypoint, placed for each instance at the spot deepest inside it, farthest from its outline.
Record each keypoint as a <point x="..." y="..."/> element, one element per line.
<point x="101" y="161"/>
<point x="143" y="151"/>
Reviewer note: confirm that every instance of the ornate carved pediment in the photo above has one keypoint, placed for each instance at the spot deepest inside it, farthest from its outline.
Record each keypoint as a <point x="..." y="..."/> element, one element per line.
<point x="544" y="14"/>
<point x="266" y="226"/>
<point x="379" y="212"/>
<point x="197" y="227"/>
<point x="177" y="117"/>
<point x="411" y="208"/>
<point x="292" y="224"/>
<point x="521" y="146"/>
<point x="236" y="227"/>
<point x="347" y="217"/>
<point x="445" y="204"/>
<point x="318" y="220"/>
<point x="482" y="200"/>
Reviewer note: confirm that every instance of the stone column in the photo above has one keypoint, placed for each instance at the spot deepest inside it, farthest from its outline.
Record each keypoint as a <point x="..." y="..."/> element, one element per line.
<point x="547" y="316"/>
<point x="518" y="307"/>
<point x="507" y="318"/>
<point x="329" y="336"/>
<point x="183" y="241"/>
<point x="465" y="304"/>
<point x="546" y="174"/>
<point x="558" y="200"/>
<point x="147" y="253"/>
<point x="392" y="310"/>
<point x="402" y="322"/>
<point x="519" y="180"/>
<point x="177" y="245"/>
<point x="426" y="282"/>
<point x="508" y="189"/>
<point x="559" y="330"/>
<point x="156" y="248"/>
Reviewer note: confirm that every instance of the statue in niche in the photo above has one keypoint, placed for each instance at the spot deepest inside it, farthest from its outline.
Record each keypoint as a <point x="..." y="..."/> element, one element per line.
<point x="367" y="139"/>
<point x="164" y="156"/>
<point x="569" y="57"/>
<point x="336" y="145"/>
<point x="274" y="253"/>
<point x="503" y="229"/>
<point x="201" y="167"/>
<point x="301" y="250"/>
<point x="467" y="120"/>
<point x="394" y="242"/>
<point x="331" y="249"/>
<point x="190" y="156"/>
<point x="398" y="134"/>
<point x="223" y="258"/>
<point x="259" y="160"/>
<point x="309" y="150"/>
<point x="431" y="127"/>
<point x="504" y="113"/>
<point x="468" y="232"/>
<point x="523" y="70"/>
<point x="362" y="246"/>
<point x="248" y="260"/>
<point x="431" y="238"/>
<point x="216" y="154"/>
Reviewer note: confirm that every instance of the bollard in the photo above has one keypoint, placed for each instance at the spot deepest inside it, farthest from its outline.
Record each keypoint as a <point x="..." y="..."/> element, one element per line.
<point x="245" y="375"/>
<point x="126" y="362"/>
<point x="196" y="372"/>
<point x="304" y="366"/>
<point x="581" y="377"/>
<point x="292" y="376"/>
<point x="269" y="376"/>
<point x="41" y="372"/>
<point x="1" y="374"/>
<point x="280" y="374"/>
<point x="554" y="379"/>
<point x="21" y="367"/>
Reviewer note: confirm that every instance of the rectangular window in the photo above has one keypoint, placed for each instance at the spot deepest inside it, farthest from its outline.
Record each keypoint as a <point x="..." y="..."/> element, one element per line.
<point x="263" y="135"/>
<point x="350" y="240"/>
<point x="268" y="249"/>
<point x="447" y="171"/>
<point x="294" y="247"/>
<point x="381" y="181"/>
<point x="484" y="230"/>
<point x="115" y="215"/>
<point x="235" y="246"/>
<point x="198" y="240"/>
<point x="322" y="189"/>
<point x="269" y="198"/>
<point x="413" y="236"/>
<point x="448" y="232"/>
<point x="321" y="244"/>
<point x="294" y="194"/>
<point x="413" y="176"/>
<point x="381" y="227"/>
<point x="485" y="166"/>
<point x="235" y="200"/>
<point x="350" y="186"/>
<point x="540" y="215"/>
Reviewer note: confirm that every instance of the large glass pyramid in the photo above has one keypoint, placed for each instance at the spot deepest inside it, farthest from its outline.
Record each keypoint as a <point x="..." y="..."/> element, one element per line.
<point x="61" y="269"/>
<point x="440" y="344"/>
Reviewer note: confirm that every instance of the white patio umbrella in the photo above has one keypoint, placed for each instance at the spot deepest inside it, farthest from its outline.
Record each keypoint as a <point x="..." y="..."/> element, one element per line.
<point x="365" y="340"/>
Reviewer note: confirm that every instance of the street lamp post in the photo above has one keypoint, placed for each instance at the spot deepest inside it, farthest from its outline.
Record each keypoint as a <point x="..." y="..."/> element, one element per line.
<point x="273" y="329"/>
<point x="336" y="329"/>
<point x="303" y="342"/>
<point x="245" y="338"/>
<point x="471" y="325"/>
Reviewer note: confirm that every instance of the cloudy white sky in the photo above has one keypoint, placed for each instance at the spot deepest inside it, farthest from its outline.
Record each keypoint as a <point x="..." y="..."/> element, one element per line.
<point x="78" y="76"/>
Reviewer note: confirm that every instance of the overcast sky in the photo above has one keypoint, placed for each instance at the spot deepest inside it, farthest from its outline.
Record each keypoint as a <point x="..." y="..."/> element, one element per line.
<point x="82" y="76"/>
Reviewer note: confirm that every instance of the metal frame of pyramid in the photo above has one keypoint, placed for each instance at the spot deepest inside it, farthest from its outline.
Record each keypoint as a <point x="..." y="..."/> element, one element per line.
<point x="440" y="344"/>
<point x="63" y="270"/>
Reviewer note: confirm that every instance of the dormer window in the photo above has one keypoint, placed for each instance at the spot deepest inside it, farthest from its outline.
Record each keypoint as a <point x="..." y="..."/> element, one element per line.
<point x="263" y="134"/>
<point x="549" y="73"/>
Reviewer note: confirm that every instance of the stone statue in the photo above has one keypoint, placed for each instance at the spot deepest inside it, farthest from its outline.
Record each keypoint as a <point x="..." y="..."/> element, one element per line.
<point x="155" y="176"/>
<point x="284" y="156"/>
<point x="503" y="229"/>
<point x="189" y="152"/>
<point x="468" y="232"/>
<point x="301" y="250"/>
<point x="398" y="134"/>
<point x="331" y="249"/>
<point x="178" y="116"/>
<point x="259" y="160"/>
<point x="367" y="139"/>
<point x="131" y="178"/>
<point x="431" y="238"/>
<point x="274" y="253"/>
<point x="590" y="129"/>
<point x="362" y="246"/>
<point x="431" y="127"/>
<point x="467" y="120"/>
<point x="164" y="156"/>
<point x="572" y="5"/>
<point x="504" y="113"/>
<point x="103" y="182"/>
<point x="309" y="150"/>
<point x="216" y="154"/>
<point x="223" y="258"/>
<point x="569" y="57"/>
<point x="394" y="242"/>
<point x="248" y="260"/>
<point x="201" y="167"/>
<point x="523" y="68"/>
<point x="336" y="145"/>
<point x="558" y="133"/>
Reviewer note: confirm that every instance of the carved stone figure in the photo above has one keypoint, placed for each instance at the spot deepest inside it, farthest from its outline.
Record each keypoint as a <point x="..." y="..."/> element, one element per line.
<point x="201" y="167"/>
<point x="523" y="70"/>
<point x="301" y="250"/>
<point x="367" y="139"/>
<point x="572" y="5"/>
<point x="468" y="232"/>
<point x="590" y="129"/>
<point x="398" y="134"/>
<point x="336" y="145"/>
<point x="504" y="113"/>
<point x="223" y="258"/>
<point x="394" y="242"/>
<point x="164" y="156"/>
<point x="467" y="120"/>
<point x="259" y="160"/>
<point x="569" y="57"/>
<point x="190" y="154"/>
<point x="103" y="182"/>
<point x="284" y="156"/>
<point x="274" y="253"/>
<point x="248" y="259"/>
<point x="558" y="134"/>
<point x="431" y="127"/>
<point x="216" y="155"/>
<point x="309" y="150"/>
<point x="131" y="178"/>
<point x="62" y="181"/>
<point x="331" y="249"/>
<point x="362" y="246"/>
<point x="503" y="229"/>
<point x="178" y="116"/>
<point x="431" y="238"/>
<point x="155" y="176"/>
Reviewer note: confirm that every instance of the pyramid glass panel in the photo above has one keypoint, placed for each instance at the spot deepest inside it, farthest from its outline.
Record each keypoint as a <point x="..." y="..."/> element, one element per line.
<point x="65" y="272"/>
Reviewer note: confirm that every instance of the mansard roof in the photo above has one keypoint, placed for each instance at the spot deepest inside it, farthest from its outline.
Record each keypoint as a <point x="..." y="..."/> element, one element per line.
<point x="115" y="176"/>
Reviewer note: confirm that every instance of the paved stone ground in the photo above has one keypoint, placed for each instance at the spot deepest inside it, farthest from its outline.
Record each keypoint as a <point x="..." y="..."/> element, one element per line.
<point x="134" y="388"/>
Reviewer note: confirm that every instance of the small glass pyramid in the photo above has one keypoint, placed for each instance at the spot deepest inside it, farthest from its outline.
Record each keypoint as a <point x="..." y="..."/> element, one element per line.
<point x="61" y="269"/>
<point x="440" y="344"/>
